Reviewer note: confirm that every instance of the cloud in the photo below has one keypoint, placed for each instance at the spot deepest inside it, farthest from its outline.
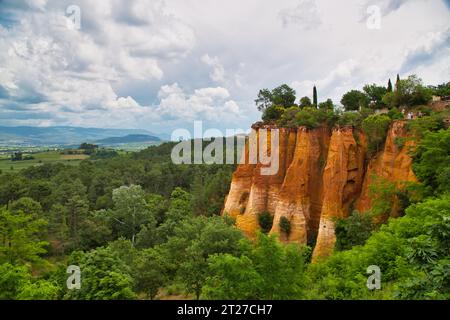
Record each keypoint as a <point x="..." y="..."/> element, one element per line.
<point x="333" y="83"/>
<point x="426" y="49"/>
<point x="218" y="72"/>
<point x="162" y="64"/>
<point x="386" y="6"/>
<point x="204" y="103"/>
<point x="53" y="69"/>
<point x="304" y="15"/>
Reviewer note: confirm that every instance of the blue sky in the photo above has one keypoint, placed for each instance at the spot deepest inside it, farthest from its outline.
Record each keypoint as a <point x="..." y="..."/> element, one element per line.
<point x="160" y="65"/>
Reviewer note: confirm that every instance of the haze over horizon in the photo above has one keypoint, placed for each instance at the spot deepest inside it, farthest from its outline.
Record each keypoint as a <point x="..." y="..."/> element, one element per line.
<point x="162" y="65"/>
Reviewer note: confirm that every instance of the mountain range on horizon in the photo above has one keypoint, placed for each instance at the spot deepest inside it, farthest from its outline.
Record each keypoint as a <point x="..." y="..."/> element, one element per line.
<point x="67" y="135"/>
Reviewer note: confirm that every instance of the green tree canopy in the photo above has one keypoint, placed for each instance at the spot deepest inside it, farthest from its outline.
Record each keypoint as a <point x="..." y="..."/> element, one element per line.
<point x="354" y="100"/>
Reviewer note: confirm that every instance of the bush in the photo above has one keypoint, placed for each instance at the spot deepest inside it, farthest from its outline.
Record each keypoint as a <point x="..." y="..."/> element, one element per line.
<point x="285" y="226"/>
<point x="432" y="160"/>
<point x="350" y="118"/>
<point x="288" y="117"/>
<point x="310" y="117"/>
<point x="395" y="114"/>
<point x="353" y="231"/>
<point x="273" y="113"/>
<point x="421" y="126"/>
<point x="375" y="127"/>
<point x="265" y="220"/>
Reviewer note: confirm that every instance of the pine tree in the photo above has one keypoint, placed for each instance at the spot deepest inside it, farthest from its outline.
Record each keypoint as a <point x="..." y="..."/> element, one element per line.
<point x="315" y="97"/>
<point x="389" y="87"/>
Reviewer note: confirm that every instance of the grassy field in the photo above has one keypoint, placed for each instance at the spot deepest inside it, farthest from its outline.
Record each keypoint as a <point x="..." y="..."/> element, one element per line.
<point x="40" y="158"/>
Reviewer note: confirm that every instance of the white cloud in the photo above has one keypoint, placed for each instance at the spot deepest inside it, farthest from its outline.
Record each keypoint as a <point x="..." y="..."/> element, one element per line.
<point x="304" y="15"/>
<point x="161" y="64"/>
<point x="218" y="72"/>
<point x="205" y="103"/>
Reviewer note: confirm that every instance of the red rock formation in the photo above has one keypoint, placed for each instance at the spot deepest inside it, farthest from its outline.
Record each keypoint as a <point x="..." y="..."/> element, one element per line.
<point x="322" y="176"/>
<point x="393" y="164"/>
<point x="300" y="198"/>
<point x="342" y="180"/>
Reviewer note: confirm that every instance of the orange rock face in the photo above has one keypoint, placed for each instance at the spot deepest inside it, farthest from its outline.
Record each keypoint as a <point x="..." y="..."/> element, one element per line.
<point x="322" y="175"/>
<point x="342" y="181"/>
<point x="300" y="196"/>
<point x="393" y="164"/>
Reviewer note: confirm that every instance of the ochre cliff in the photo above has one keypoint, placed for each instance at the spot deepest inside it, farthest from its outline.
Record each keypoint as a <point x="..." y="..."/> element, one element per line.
<point x="323" y="174"/>
<point x="393" y="164"/>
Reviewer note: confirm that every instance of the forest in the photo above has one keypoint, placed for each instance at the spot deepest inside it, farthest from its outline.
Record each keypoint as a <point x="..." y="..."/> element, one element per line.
<point x="140" y="227"/>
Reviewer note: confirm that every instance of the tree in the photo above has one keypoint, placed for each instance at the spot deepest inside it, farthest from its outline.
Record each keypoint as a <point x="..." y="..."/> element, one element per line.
<point x="17" y="156"/>
<point x="375" y="127"/>
<point x="88" y="148"/>
<point x="21" y="237"/>
<point x="315" y="96"/>
<point x="442" y="90"/>
<point x="38" y="290"/>
<point x="305" y="102"/>
<point x="273" y="113"/>
<point x="328" y="105"/>
<point x="105" y="276"/>
<point x="130" y="212"/>
<point x="354" y="100"/>
<point x="273" y="271"/>
<point x="389" y="87"/>
<point x="12" y="278"/>
<point x="282" y="96"/>
<point x="264" y="99"/>
<point x="375" y="94"/>
<point x="150" y="272"/>
<point x="311" y="117"/>
<point x="353" y="231"/>
<point x="179" y="210"/>
<point x="432" y="161"/>
<point x="28" y="206"/>
<point x="193" y="242"/>
<point x="409" y="92"/>
<point x="232" y="278"/>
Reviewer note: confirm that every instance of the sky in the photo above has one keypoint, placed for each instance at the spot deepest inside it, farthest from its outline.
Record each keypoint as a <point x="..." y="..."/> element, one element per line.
<point x="161" y="65"/>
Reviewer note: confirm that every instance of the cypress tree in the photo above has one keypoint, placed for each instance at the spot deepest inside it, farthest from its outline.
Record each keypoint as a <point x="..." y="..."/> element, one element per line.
<point x="315" y="96"/>
<point x="389" y="87"/>
<point x="397" y="83"/>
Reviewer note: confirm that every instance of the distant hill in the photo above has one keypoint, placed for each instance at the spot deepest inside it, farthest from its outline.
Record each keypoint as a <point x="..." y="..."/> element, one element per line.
<point x="131" y="138"/>
<point x="25" y="135"/>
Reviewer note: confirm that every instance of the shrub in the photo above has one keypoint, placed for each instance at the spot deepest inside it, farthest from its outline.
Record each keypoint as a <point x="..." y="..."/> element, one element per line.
<point x="375" y="127"/>
<point x="272" y="113"/>
<point x="265" y="220"/>
<point x="395" y="114"/>
<point x="327" y="105"/>
<point x="421" y="126"/>
<point x="353" y="231"/>
<point x="285" y="226"/>
<point x="350" y="118"/>
<point x="288" y="117"/>
<point x="310" y="117"/>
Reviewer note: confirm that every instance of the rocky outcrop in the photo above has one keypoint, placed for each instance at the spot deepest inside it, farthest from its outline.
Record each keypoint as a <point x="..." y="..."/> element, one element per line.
<point x="300" y="197"/>
<point x="323" y="175"/>
<point x="343" y="176"/>
<point x="393" y="164"/>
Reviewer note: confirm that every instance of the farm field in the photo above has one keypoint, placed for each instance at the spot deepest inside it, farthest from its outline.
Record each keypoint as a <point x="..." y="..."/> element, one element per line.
<point x="39" y="158"/>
